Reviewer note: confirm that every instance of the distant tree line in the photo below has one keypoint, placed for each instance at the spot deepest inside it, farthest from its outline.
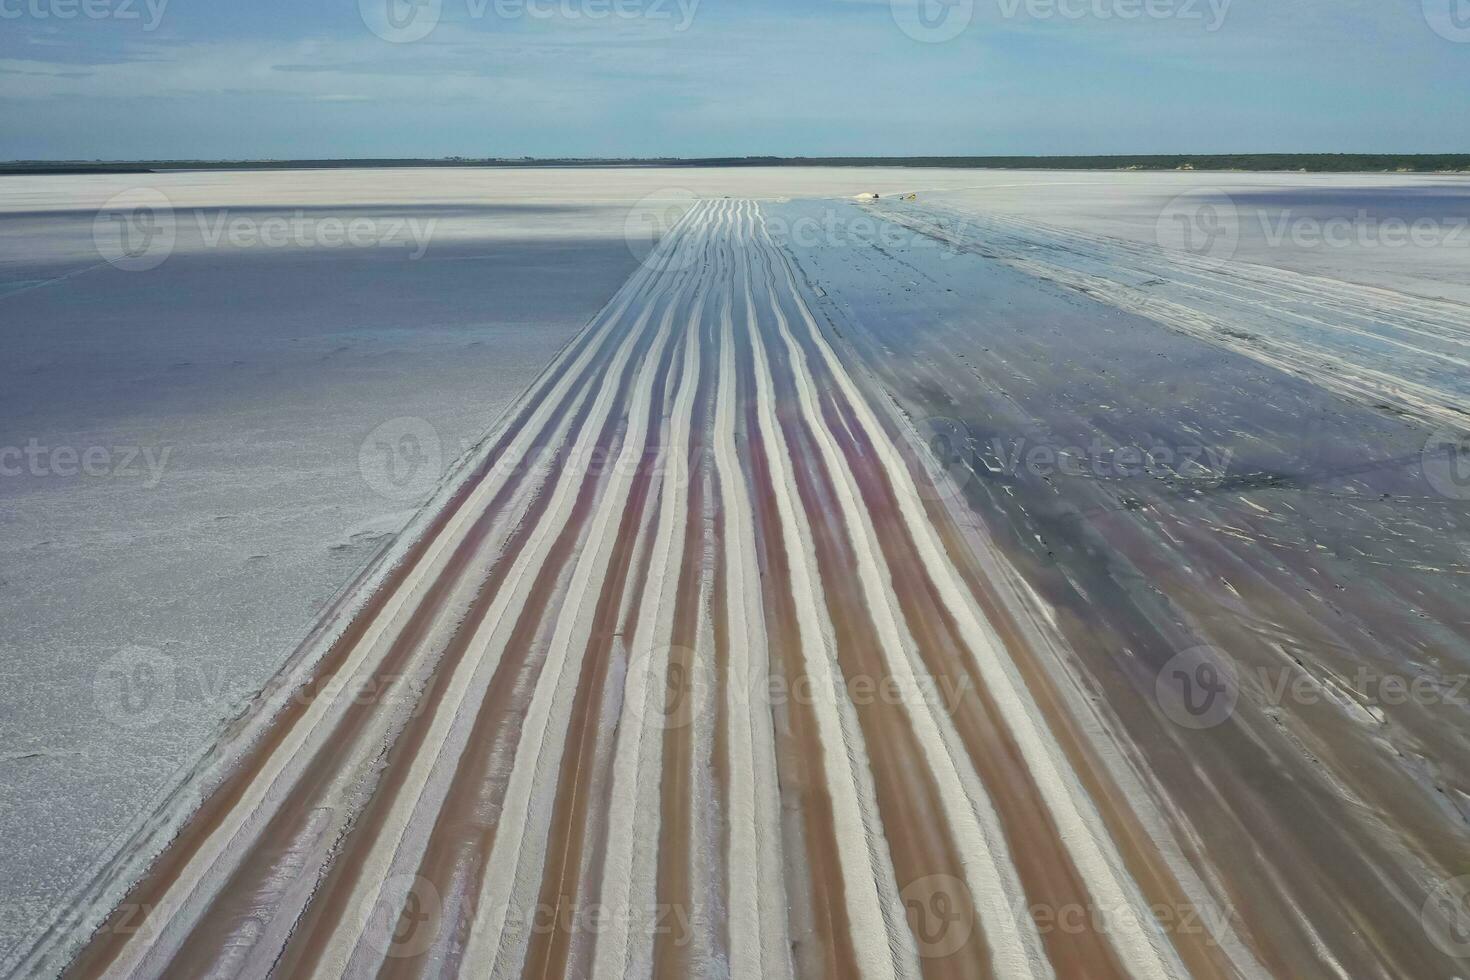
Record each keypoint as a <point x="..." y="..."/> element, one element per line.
<point x="1309" y="162"/>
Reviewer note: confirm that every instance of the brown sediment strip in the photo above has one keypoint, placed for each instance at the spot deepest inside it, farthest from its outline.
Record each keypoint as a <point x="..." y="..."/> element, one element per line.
<point x="714" y="824"/>
<point x="133" y="914"/>
<point x="719" y="760"/>
<point x="576" y="960"/>
<point x="554" y="946"/>
<point x="677" y="897"/>
<point x="820" y="934"/>
<point x="1048" y="875"/>
<point x="745" y="821"/>
<point x="588" y="757"/>
<point x="908" y="798"/>
<point x="1198" y="949"/>
<point x="593" y="823"/>
<point x="335" y="896"/>
<point x="216" y="933"/>
<point x="675" y="889"/>
<point x="595" y="826"/>
<point x="465" y="826"/>
<point x="717" y="822"/>
<point x="582" y="833"/>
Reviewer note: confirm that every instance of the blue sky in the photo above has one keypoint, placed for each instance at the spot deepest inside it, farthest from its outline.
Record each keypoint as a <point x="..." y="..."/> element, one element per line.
<point x="116" y="79"/>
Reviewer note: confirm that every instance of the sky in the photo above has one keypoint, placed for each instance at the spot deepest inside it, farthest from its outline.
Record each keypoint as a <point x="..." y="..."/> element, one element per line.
<point x="233" y="79"/>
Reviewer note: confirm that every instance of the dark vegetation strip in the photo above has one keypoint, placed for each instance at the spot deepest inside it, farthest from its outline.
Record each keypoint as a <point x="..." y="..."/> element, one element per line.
<point x="1311" y="162"/>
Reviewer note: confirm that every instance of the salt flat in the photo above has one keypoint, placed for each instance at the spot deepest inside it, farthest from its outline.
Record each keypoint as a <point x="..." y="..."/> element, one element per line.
<point x="253" y="378"/>
<point x="293" y="401"/>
